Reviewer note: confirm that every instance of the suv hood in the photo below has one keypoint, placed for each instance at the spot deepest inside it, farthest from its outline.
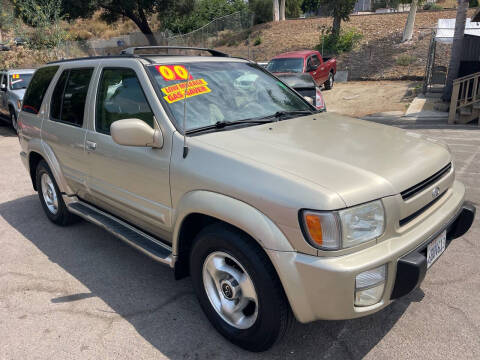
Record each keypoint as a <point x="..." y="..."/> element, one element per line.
<point x="359" y="160"/>
<point x="19" y="94"/>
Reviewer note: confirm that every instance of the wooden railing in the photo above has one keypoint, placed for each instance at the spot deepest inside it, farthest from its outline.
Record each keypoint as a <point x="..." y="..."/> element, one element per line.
<point x="465" y="93"/>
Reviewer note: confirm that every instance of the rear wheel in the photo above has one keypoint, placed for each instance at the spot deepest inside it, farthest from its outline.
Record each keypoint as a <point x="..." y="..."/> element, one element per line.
<point x="50" y="196"/>
<point x="329" y="83"/>
<point x="238" y="288"/>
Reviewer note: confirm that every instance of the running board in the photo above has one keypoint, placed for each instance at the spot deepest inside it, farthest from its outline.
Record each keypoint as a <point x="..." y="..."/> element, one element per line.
<point x="132" y="236"/>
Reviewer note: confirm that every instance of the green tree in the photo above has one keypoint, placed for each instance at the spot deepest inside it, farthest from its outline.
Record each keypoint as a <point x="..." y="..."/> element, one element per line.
<point x="135" y="10"/>
<point x="340" y="10"/>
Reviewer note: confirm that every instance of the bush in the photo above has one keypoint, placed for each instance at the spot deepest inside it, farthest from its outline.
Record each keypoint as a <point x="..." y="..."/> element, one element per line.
<point x="333" y="45"/>
<point x="405" y="60"/>
<point x="432" y="6"/>
<point x="473" y="3"/>
<point x="258" y="41"/>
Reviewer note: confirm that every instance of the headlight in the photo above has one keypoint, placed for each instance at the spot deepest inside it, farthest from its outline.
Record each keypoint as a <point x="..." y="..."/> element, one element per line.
<point x="336" y="230"/>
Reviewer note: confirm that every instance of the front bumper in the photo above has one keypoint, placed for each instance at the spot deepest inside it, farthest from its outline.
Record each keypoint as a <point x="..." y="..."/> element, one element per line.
<point x="322" y="288"/>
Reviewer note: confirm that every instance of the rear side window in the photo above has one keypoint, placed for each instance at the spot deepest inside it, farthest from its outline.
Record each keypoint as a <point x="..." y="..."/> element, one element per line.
<point x="37" y="89"/>
<point x="120" y="96"/>
<point x="70" y="95"/>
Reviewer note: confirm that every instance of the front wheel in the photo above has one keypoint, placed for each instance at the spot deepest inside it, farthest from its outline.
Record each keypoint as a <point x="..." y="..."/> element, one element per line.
<point x="13" y="120"/>
<point x="238" y="288"/>
<point x="329" y="83"/>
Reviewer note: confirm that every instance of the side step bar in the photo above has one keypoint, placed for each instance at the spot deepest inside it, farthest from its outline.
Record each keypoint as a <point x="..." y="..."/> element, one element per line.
<point x="132" y="236"/>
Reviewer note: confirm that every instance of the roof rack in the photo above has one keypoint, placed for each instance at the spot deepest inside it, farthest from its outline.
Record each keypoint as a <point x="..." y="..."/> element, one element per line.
<point x="131" y="51"/>
<point x="96" y="58"/>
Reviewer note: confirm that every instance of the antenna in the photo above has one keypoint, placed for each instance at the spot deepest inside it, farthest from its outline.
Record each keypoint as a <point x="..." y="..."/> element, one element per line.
<point x="185" y="147"/>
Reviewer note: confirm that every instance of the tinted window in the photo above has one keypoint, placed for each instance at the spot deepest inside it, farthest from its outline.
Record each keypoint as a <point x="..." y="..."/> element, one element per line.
<point x="315" y="61"/>
<point x="57" y="96"/>
<point x="120" y="96"/>
<point x="37" y="89"/>
<point x="72" y="99"/>
<point x="4" y="80"/>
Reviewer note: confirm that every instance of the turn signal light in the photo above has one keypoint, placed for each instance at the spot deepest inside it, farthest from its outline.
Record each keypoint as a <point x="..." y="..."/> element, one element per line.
<point x="314" y="228"/>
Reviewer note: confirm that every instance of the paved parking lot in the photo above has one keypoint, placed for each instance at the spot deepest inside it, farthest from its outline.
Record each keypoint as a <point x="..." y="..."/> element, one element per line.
<point x="79" y="293"/>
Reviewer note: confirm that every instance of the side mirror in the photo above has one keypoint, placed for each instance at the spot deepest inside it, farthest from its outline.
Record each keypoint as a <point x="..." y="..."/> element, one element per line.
<point x="3" y="87"/>
<point x="135" y="132"/>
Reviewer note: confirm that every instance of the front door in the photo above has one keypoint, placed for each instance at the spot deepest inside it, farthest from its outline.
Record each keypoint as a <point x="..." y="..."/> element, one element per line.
<point x="312" y="65"/>
<point x="130" y="182"/>
<point x="64" y="128"/>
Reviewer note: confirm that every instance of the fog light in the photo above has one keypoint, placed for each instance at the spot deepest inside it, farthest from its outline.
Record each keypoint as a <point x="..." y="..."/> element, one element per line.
<point x="369" y="286"/>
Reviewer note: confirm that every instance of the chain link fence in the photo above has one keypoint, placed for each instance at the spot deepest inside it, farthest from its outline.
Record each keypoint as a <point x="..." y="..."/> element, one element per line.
<point x="220" y="31"/>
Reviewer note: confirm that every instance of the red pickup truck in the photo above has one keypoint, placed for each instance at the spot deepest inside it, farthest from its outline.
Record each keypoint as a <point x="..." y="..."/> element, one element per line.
<point x="322" y="69"/>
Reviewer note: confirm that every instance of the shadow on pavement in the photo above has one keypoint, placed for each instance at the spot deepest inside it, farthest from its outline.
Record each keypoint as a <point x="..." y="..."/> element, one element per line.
<point x="165" y="312"/>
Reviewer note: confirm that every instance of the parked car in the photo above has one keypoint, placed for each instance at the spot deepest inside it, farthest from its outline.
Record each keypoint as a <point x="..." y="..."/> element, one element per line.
<point x="305" y="86"/>
<point x="322" y="69"/>
<point x="13" y="84"/>
<point x="19" y="41"/>
<point x="271" y="207"/>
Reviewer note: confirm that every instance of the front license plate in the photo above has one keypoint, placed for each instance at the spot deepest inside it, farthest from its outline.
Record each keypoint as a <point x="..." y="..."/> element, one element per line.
<point x="436" y="248"/>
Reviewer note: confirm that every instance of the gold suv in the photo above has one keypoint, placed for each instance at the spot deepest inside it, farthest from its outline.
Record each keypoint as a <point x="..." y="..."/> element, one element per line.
<point x="272" y="208"/>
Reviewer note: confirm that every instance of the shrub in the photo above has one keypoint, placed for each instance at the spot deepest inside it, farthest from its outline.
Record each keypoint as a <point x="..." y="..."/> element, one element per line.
<point x="432" y="6"/>
<point x="257" y="41"/>
<point x="405" y="60"/>
<point x="473" y="3"/>
<point x="347" y="40"/>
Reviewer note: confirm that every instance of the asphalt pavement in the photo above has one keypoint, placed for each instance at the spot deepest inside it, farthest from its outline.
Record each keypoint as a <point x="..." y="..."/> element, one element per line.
<point x="79" y="293"/>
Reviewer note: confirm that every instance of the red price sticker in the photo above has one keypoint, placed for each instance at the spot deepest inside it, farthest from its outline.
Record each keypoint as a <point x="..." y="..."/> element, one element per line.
<point x="173" y="72"/>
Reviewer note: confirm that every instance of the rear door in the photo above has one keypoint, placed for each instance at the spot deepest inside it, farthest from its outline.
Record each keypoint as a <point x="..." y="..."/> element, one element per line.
<point x="64" y="128"/>
<point x="131" y="182"/>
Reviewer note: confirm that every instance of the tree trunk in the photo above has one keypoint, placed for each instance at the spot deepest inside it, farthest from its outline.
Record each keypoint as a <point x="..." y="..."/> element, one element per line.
<point x="408" y="31"/>
<point x="282" y="10"/>
<point x="142" y="23"/>
<point x="337" y="21"/>
<point x="276" y="11"/>
<point x="457" y="48"/>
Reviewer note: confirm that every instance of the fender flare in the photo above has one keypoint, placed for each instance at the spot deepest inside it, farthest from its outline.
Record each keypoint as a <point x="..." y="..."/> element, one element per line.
<point x="44" y="150"/>
<point x="231" y="211"/>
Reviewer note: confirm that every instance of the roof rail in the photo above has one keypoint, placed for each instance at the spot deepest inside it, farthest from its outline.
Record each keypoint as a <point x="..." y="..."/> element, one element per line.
<point x="131" y="51"/>
<point x="96" y="58"/>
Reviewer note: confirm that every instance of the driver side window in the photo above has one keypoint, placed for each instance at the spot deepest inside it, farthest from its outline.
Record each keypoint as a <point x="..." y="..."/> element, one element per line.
<point x="120" y="96"/>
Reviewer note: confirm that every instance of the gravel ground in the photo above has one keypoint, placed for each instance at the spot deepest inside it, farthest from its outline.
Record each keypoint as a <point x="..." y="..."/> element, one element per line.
<point x="79" y="293"/>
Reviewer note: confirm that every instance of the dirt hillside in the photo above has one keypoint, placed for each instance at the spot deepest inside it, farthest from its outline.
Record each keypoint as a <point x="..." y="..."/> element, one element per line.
<point x="380" y="54"/>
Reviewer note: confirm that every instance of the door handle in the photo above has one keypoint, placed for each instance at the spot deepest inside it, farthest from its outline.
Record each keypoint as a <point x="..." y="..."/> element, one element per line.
<point x="91" y="146"/>
<point x="314" y="73"/>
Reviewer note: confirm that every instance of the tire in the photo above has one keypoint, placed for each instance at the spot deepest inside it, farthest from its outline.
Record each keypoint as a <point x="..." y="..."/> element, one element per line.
<point x="329" y="83"/>
<point x="13" y="120"/>
<point x="51" y="197"/>
<point x="265" y="320"/>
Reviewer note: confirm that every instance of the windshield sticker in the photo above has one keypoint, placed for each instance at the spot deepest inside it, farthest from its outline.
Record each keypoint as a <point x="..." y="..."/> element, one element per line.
<point x="16" y="76"/>
<point x="173" y="72"/>
<point x="176" y="92"/>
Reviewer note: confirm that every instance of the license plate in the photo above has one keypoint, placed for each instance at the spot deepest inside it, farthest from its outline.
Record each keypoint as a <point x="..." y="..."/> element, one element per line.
<point x="436" y="248"/>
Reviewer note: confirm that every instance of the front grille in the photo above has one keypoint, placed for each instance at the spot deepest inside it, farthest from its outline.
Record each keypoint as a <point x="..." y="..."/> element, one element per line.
<point x="414" y="190"/>
<point x="410" y="217"/>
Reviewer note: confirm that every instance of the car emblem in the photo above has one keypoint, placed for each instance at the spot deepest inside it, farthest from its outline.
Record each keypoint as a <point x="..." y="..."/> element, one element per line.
<point x="435" y="192"/>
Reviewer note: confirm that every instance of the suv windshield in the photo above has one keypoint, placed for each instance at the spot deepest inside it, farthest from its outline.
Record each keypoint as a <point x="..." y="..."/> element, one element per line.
<point x="223" y="92"/>
<point x="20" y="81"/>
<point x="286" y="65"/>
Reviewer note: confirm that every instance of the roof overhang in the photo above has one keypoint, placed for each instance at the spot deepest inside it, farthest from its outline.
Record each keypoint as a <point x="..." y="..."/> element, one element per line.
<point x="446" y="29"/>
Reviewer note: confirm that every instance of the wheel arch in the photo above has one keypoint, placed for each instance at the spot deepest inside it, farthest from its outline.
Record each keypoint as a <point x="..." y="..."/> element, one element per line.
<point x="199" y="209"/>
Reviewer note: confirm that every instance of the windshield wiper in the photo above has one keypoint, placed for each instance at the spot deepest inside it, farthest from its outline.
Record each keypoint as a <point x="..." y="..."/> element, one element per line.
<point x="282" y="114"/>
<point x="223" y="124"/>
